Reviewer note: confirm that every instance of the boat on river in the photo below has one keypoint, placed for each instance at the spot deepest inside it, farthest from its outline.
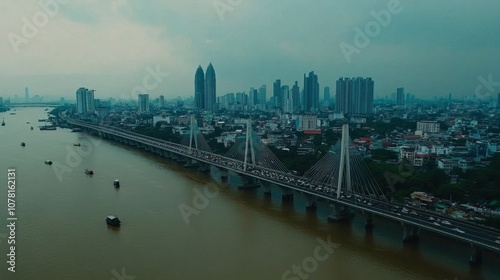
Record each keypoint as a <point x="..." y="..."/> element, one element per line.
<point x="113" y="220"/>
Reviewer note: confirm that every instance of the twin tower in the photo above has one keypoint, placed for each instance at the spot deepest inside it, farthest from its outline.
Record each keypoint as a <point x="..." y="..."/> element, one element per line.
<point x="204" y="89"/>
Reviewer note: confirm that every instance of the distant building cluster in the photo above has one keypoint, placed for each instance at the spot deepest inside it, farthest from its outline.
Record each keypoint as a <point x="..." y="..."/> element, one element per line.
<point x="284" y="99"/>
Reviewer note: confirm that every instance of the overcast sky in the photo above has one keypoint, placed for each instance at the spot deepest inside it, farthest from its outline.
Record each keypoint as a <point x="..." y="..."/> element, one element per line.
<point x="429" y="47"/>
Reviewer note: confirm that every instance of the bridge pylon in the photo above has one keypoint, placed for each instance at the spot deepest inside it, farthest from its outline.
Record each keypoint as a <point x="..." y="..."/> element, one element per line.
<point x="249" y="148"/>
<point x="341" y="212"/>
<point x="192" y="136"/>
<point x="345" y="164"/>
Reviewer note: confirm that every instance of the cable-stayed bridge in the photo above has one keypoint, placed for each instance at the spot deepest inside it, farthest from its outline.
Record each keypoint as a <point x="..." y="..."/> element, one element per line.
<point x="340" y="178"/>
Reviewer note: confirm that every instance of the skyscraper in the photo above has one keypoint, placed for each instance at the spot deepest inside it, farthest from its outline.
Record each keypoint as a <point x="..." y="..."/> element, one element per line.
<point x="143" y="103"/>
<point x="400" y="97"/>
<point x="311" y="92"/>
<point x="354" y="96"/>
<point x="287" y="99"/>
<point x="210" y="89"/>
<point x="199" y="88"/>
<point x="262" y="96"/>
<point x="277" y="97"/>
<point x="161" y="101"/>
<point x="326" y="94"/>
<point x="252" y="98"/>
<point x="26" y="94"/>
<point x="296" y="96"/>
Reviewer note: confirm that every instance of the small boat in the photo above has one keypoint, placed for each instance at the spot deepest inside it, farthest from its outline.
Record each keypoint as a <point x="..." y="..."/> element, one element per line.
<point x="31" y="128"/>
<point x="89" y="172"/>
<point x="116" y="183"/>
<point x="113" y="220"/>
<point x="49" y="162"/>
<point x="3" y="122"/>
<point x="27" y="122"/>
<point x="76" y="129"/>
<point x="77" y="144"/>
<point x="48" y="127"/>
<point x="23" y="144"/>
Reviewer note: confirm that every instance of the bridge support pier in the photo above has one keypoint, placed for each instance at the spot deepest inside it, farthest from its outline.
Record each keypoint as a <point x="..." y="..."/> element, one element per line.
<point x="217" y="173"/>
<point x="310" y="202"/>
<point x="340" y="213"/>
<point x="475" y="256"/>
<point x="286" y="194"/>
<point x="410" y="233"/>
<point x="266" y="187"/>
<point x="203" y="167"/>
<point x="369" y="220"/>
<point x="190" y="163"/>
<point x="248" y="182"/>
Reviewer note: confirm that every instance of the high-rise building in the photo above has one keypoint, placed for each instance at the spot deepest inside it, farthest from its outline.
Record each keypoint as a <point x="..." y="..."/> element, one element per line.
<point x="252" y="98"/>
<point x="287" y="99"/>
<point x="26" y="94"/>
<point x="311" y="92"/>
<point x="400" y="97"/>
<point x="262" y="96"/>
<point x="199" y="88"/>
<point x="277" y="97"/>
<point x="90" y="102"/>
<point x="210" y="95"/>
<point x="161" y="101"/>
<point x="143" y="103"/>
<point x="241" y="98"/>
<point x="326" y="94"/>
<point x="354" y="96"/>
<point x="295" y="96"/>
<point x="80" y="100"/>
<point x="85" y="103"/>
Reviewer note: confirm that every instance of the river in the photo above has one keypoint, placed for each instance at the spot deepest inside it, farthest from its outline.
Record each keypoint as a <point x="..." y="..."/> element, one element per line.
<point x="221" y="232"/>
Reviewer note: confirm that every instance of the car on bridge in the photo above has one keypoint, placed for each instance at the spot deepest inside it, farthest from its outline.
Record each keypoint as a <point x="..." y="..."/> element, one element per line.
<point x="458" y="230"/>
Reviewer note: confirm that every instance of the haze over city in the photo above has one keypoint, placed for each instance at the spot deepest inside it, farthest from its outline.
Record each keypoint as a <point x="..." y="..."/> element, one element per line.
<point x="430" y="48"/>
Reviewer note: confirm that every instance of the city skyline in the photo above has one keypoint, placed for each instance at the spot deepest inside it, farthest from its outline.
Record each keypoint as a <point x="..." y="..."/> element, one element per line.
<point x="157" y="45"/>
